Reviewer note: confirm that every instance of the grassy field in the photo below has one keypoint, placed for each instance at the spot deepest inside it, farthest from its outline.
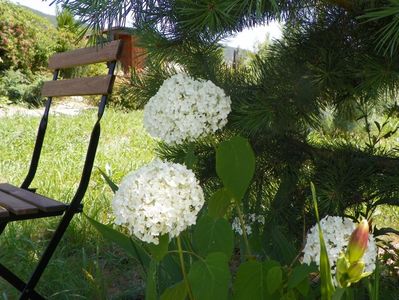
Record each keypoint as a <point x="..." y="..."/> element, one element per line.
<point x="84" y="267"/>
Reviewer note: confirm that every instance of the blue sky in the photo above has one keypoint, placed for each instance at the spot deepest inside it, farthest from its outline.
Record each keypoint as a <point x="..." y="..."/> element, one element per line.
<point x="247" y="39"/>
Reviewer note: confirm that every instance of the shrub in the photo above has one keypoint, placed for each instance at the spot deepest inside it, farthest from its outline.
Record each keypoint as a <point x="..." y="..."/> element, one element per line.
<point x="26" y="40"/>
<point x="121" y="97"/>
<point x="26" y="43"/>
<point x="19" y="87"/>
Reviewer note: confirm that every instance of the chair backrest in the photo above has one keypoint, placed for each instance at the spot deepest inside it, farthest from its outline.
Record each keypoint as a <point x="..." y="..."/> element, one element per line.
<point x="100" y="85"/>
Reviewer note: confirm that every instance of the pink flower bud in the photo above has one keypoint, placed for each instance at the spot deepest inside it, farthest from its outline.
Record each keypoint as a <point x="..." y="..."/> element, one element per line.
<point x="358" y="242"/>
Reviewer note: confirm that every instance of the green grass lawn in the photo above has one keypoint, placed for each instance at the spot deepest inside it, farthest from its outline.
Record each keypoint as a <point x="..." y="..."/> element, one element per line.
<point x="84" y="266"/>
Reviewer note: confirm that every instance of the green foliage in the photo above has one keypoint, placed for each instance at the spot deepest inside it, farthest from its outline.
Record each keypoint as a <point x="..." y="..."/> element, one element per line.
<point x="235" y="165"/>
<point x="251" y="281"/>
<point x="268" y="280"/>
<point x="298" y="276"/>
<point x="26" y="40"/>
<point x="66" y="21"/>
<point x="326" y="61"/>
<point x="19" y="87"/>
<point x="212" y="235"/>
<point x="109" y="181"/>
<point x="219" y="203"/>
<point x="374" y="286"/>
<point x="207" y="15"/>
<point x="159" y="251"/>
<point x="128" y="244"/>
<point x="313" y="106"/>
<point x="388" y="37"/>
<point x="210" y="278"/>
<point x="278" y="243"/>
<point x="135" y="91"/>
<point x="26" y="43"/>
<point x="175" y="292"/>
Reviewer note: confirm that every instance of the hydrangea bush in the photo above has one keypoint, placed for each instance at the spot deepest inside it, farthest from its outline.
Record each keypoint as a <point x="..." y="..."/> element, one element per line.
<point x="185" y="109"/>
<point x="159" y="202"/>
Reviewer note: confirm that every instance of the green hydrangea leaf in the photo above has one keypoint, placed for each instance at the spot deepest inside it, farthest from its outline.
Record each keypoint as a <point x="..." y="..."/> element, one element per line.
<point x="303" y="287"/>
<point x="252" y="280"/>
<point x="159" y="251"/>
<point x="127" y="243"/>
<point x="298" y="274"/>
<point x="109" y="181"/>
<point x="213" y="235"/>
<point x="177" y="291"/>
<point x="274" y="279"/>
<point x="219" y="203"/>
<point x="235" y="165"/>
<point x="210" y="278"/>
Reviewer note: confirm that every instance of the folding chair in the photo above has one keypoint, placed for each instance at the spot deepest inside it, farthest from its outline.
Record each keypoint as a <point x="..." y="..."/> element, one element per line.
<point x="22" y="203"/>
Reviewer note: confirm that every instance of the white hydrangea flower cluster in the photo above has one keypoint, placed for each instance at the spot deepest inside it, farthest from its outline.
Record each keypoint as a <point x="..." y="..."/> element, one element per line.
<point x="159" y="198"/>
<point x="251" y="219"/>
<point x="336" y="233"/>
<point x="185" y="109"/>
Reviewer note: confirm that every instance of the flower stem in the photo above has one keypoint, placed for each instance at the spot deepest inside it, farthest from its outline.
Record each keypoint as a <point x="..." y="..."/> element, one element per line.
<point x="183" y="269"/>
<point x="244" y="231"/>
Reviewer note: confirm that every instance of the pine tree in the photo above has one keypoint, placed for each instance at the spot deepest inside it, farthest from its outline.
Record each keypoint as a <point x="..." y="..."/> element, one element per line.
<point x="320" y="106"/>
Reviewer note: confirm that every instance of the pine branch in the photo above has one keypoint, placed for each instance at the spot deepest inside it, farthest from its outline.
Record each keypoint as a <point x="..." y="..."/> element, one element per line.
<point x="388" y="35"/>
<point x="143" y="84"/>
<point x="192" y="17"/>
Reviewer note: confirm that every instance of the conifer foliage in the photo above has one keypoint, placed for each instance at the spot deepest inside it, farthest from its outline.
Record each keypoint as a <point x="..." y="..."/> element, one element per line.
<point x="320" y="106"/>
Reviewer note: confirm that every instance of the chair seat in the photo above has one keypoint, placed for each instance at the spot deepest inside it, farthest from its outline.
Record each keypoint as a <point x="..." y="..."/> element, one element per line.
<point x="21" y="204"/>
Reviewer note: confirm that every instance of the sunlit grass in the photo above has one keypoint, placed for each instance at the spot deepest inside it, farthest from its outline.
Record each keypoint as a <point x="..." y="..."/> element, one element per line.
<point x="84" y="267"/>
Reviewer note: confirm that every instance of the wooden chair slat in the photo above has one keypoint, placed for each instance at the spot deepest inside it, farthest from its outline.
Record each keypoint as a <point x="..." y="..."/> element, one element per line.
<point x="43" y="203"/>
<point x="79" y="57"/>
<point x="3" y="212"/>
<point x="99" y="85"/>
<point x="15" y="205"/>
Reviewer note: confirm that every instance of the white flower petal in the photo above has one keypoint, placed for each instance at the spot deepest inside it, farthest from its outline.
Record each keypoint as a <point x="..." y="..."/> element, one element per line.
<point x="157" y="199"/>
<point x="185" y="109"/>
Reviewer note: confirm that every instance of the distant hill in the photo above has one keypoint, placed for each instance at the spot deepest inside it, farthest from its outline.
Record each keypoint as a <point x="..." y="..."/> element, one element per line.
<point x="51" y="18"/>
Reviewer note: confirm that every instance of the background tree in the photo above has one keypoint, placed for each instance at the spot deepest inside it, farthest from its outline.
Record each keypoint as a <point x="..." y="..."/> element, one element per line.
<point x="320" y="106"/>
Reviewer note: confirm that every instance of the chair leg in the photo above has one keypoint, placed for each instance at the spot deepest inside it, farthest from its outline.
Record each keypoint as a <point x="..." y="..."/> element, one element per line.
<point x="17" y="282"/>
<point x="48" y="253"/>
<point x="13" y="279"/>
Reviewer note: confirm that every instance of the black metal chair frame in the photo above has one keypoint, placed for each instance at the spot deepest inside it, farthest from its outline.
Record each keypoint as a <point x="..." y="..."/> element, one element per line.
<point x="27" y="289"/>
